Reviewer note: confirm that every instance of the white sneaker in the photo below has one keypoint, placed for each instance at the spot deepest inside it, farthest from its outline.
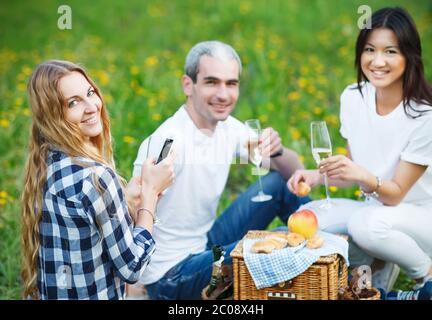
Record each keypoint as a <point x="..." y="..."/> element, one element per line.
<point x="386" y="277"/>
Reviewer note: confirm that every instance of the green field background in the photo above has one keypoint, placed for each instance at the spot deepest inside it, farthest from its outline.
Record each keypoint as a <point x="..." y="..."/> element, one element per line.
<point x="297" y="56"/>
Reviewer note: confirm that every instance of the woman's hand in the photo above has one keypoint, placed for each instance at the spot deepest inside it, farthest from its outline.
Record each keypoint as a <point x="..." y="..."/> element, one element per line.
<point x="341" y="168"/>
<point x="311" y="177"/>
<point x="156" y="178"/>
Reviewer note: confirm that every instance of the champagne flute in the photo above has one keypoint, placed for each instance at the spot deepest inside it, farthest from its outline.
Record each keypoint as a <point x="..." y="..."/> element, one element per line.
<point x="321" y="149"/>
<point x="254" y="129"/>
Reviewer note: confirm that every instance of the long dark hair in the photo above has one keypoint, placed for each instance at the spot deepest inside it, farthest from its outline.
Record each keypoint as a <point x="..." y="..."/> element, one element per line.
<point x="415" y="86"/>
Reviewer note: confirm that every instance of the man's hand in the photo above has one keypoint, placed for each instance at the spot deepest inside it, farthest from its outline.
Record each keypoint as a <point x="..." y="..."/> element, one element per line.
<point x="310" y="177"/>
<point x="270" y="142"/>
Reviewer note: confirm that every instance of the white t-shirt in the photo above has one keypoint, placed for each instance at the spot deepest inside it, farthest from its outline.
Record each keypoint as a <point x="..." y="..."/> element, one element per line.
<point x="187" y="209"/>
<point x="378" y="143"/>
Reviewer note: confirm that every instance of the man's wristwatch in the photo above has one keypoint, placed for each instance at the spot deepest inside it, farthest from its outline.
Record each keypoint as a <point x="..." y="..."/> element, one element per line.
<point x="277" y="154"/>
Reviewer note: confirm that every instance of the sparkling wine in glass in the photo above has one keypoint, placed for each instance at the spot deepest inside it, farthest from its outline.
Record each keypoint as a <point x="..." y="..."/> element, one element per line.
<point x="321" y="149"/>
<point x="254" y="129"/>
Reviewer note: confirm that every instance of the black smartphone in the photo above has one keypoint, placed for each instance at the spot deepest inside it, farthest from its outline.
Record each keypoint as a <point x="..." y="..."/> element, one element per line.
<point x="165" y="149"/>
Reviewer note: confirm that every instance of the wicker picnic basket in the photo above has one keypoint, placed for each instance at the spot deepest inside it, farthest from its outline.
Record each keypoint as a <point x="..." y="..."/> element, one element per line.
<point x="321" y="281"/>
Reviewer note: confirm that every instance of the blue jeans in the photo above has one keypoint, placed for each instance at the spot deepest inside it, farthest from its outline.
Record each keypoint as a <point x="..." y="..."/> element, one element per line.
<point x="187" y="279"/>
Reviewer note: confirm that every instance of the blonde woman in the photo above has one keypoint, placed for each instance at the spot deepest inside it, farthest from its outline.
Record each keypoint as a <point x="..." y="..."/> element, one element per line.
<point x="82" y="238"/>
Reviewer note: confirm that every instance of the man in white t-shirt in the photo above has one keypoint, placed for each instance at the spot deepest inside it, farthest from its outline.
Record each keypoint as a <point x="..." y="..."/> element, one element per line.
<point x="207" y="140"/>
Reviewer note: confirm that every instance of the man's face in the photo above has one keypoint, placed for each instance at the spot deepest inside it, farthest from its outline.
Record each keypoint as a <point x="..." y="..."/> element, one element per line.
<point x="215" y="93"/>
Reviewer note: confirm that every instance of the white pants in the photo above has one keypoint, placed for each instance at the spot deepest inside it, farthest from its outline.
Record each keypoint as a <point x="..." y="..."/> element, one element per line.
<point x="400" y="234"/>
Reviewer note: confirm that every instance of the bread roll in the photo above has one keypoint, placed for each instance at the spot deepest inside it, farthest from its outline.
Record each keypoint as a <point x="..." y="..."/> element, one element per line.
<point x="269" y="244"/>
<point x="277" y="236"/>
<point x="303" y="189"/>
<point x="315" y="242"/>
<point x="294" y="239"/>
<point x="263" y="246"/>
<point x="280" y="243"/>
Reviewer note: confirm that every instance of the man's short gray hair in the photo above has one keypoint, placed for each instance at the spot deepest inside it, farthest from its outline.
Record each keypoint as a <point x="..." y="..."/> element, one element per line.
<point x="215" y="49"/>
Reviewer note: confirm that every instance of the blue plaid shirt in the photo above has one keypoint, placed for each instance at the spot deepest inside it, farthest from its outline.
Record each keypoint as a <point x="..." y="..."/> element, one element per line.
<point x="89" y="247"/>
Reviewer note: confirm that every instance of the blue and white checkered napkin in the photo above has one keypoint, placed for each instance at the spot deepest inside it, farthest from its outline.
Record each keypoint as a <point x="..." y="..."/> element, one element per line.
<point x="282" y="265"/>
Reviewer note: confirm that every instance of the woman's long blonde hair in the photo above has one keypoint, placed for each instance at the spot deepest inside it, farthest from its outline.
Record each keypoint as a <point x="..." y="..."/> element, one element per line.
<point x="50" y="129"/>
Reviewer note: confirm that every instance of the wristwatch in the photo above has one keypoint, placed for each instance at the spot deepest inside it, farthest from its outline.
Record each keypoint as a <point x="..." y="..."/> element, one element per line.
<point x="277" y="154"/>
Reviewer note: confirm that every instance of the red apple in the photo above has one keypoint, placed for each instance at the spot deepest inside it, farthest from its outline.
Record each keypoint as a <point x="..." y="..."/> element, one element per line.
<point x="303" y="222"/>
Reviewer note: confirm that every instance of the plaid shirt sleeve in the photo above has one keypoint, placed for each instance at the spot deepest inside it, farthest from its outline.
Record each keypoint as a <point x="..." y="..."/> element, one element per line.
<point x="128" y="248"/>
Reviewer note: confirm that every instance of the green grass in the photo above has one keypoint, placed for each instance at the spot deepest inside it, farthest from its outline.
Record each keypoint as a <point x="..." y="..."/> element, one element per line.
<point x="297" y="60"/>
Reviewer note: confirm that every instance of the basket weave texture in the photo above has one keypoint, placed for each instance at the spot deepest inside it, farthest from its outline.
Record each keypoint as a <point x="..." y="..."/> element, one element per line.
<point x="321" y="281"/>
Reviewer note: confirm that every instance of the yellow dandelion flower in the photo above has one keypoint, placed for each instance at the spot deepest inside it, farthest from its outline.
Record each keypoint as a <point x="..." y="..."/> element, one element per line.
<point x="245" y="7"/>
<point x="3" y="194"/>
<point x="156" y="116"/>
<point x="295" y="134"/>
<point x="178" y="73"/>
<point x="302" y="82"/>
<point x="320" y="95"/>
<point x="26" y="70"/>
<point x="311" y="89"/>
<point x="304" y="70"/>
<point x="333" y="188"/>
<point x="152" y="102"/>
<point x="263" y="118"/>
<point x="19" y="101"/>
<point x="270" y="106"/>
<point x="293" y="96"/>
<point x="317" y="110"/>
<point x="341" y="150"/>
<point x="162" y="95"/>
<point x="26" y="112"/>
<point x="134" y="84"/>
<point x="134" y="70"/>
<point x="357" y="193"/>
<point x="304" y="115"/>
<point x="259" y="44"/>
<point x="314" y="60"/>
<point x="108" y="98"/>
<point x="324" y="37"/>
<point x="343" y="52"/>
<point x="319" y="68"/>
<point x="2" y="202"/>
<point x="4" y="123"/>
<point x="151" y="61"/>
<point x="302" y="159"/>
<point x="141" y="91"/>
<point x="322" y="80"/>
<point x="332" y="120"/>
<point x="104" y="78"/>
<point x="128" y="139"/>
<point x="21" y="87"/>
<point x="272" y="54"/>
